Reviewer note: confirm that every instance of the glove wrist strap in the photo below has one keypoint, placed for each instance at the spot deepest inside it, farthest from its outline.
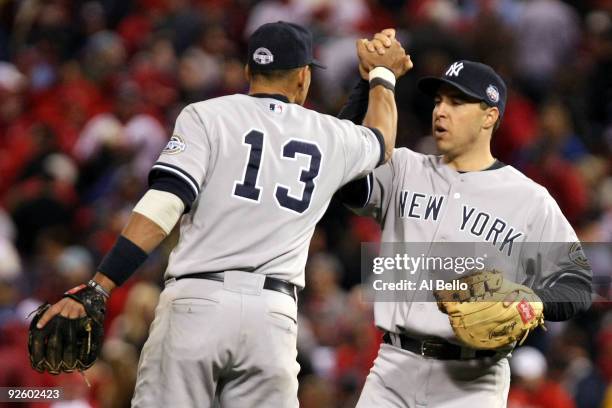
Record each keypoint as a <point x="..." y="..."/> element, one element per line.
<point x="98" y="288"/>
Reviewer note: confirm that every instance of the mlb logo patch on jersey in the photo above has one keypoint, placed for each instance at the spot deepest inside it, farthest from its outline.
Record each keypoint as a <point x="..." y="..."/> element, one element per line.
<point x="276" y="108"/>
<point x="175" y="145"/>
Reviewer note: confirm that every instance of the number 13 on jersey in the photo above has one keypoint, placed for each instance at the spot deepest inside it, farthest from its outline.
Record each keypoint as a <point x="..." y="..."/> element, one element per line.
<point x="247" y="188"/>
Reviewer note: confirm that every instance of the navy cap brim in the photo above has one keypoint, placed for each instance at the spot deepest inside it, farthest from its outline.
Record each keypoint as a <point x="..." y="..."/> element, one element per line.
<point x="317" y="64"/>
<point x="430" y="86"/>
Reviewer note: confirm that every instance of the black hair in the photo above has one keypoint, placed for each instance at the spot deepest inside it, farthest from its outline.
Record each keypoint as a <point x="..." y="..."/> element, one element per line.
<point x="273" y="75"/>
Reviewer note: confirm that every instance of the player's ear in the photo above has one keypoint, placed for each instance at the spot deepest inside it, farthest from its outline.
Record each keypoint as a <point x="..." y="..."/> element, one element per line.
<point x="490" y="118"/>
<point x="247" y="72"/>
<point x="303" y="73"/>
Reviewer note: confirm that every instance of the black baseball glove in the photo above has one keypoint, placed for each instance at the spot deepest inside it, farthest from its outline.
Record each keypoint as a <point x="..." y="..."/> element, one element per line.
<point x="65" y="345"/>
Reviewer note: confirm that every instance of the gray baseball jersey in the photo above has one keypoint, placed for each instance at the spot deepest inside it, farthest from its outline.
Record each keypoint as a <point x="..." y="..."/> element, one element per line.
<point x="418" y="198"/>
<point x="263" y="171"/>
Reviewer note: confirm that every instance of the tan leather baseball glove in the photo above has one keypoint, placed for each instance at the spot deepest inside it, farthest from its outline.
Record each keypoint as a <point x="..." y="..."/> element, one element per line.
<point x="487" y="311"/>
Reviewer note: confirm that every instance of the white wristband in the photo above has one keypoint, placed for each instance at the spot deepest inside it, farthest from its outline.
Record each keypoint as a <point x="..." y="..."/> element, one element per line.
<point x="382" y="73"/>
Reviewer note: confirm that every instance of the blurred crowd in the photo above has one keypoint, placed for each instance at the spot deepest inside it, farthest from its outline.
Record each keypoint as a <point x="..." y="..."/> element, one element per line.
<point x="89" y="91"/>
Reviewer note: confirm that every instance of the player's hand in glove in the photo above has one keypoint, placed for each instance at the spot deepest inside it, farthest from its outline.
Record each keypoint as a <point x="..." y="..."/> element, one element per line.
<point x="68" y="335"/>
<point x="387" y="53"/>
<point x="491" y="312"/>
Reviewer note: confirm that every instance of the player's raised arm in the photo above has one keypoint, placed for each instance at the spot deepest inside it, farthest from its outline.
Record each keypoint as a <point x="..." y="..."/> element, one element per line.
<point x="358" y="192"/>
<point x="383" y="70"/>
<point x="357" y="104"/>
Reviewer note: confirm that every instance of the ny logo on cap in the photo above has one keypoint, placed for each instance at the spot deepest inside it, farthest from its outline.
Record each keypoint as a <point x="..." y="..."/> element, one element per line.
<point x="454" y="69"/>
<point x="263" y="56"/>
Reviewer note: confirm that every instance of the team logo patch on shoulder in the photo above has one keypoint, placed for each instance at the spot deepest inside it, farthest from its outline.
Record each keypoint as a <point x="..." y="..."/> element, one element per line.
<point x="175" y="145"/>
<point x="577" y="256"/>
<point x="263" y="56"/>
<point x="492" y="94"/>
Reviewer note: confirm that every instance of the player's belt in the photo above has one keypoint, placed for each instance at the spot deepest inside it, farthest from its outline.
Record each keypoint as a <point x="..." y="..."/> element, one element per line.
<point x="435" y="348"/>
<point x="277" y="285"/>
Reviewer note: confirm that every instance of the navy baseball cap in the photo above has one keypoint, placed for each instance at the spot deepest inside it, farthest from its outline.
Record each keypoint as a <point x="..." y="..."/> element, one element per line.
<point x="474" y="79"/>
<point x="281" y="45"/>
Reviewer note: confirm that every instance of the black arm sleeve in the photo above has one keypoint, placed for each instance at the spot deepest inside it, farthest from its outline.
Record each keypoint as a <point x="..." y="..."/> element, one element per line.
<point x="164" y="181"/>
<point x="565" y="299"/>
<point x="355" y="110"/>
<point x="357" y="104"/>
<point x="356" y="193"/>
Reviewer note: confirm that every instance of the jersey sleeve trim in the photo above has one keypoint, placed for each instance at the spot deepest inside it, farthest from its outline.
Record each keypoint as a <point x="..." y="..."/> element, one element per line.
<point x="177" y="171"/>
<point x="551" y="280"/>
<point x="370" y="187"/>
<point x="568" y="297"/>
<point x="170" y="183"/>
<point x="381" y="141"/>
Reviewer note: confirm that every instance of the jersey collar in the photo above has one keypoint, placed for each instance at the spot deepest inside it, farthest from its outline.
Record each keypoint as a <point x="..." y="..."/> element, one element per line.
<point x="279" y="97"/>
<point x="496" y="165"/>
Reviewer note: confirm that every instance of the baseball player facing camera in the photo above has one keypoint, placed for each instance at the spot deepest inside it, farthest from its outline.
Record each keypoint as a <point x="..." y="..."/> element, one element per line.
<point x="454" y="352"/>
<point x="248" y="176"/>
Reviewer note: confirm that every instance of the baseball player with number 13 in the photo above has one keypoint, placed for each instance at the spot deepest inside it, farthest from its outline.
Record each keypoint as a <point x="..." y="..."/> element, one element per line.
<point x="453" y="353"/>
<point x="249" y="176"/>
